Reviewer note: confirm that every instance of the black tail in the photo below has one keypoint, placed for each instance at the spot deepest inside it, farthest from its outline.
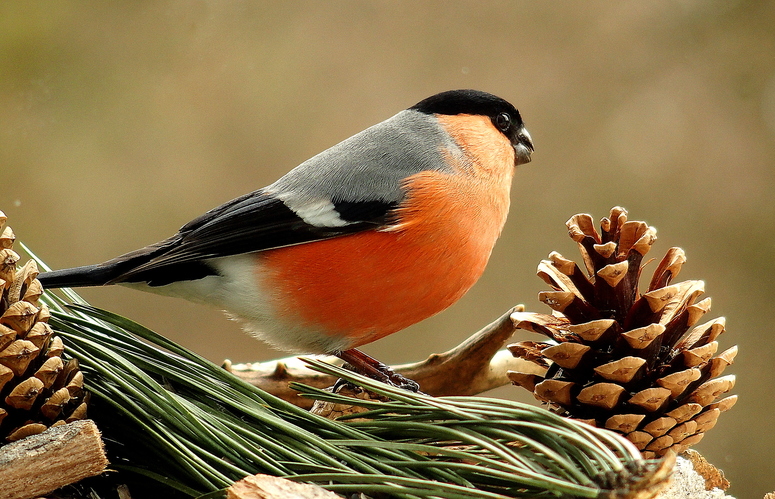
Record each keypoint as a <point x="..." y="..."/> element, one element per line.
<point x="90" y="275"/>
<point x="125" y="269"/>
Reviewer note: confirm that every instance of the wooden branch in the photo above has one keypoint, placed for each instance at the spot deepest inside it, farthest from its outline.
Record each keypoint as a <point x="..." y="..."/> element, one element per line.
<point x="475" y="366"/>
<point x="59" y="456"/>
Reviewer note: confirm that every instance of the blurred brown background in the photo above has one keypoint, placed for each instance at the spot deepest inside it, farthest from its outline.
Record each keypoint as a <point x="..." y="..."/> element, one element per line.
<point x="120" y="121"/>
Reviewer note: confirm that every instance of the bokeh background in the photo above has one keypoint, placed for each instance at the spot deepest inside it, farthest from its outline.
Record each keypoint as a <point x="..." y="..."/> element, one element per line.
<point x="120" y="121"/>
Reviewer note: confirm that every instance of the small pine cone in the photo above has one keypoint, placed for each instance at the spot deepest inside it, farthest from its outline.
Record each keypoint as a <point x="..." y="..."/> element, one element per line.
<point x="38" y="388"/>
<point x="634" y="363"/>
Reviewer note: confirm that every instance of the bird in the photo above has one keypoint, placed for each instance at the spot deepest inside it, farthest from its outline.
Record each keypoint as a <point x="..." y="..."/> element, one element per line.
<point x="381" y="231"/>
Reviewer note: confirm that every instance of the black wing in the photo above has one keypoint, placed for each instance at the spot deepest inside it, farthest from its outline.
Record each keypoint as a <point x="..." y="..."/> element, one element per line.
<point x="254" y="222"/>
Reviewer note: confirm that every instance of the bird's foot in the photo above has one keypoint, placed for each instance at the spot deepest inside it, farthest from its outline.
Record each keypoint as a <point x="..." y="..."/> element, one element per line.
<point x="374" y="369"/>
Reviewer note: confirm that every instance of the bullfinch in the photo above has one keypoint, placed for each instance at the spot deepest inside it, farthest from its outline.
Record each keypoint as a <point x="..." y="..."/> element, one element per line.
<point x="381" y="231"/>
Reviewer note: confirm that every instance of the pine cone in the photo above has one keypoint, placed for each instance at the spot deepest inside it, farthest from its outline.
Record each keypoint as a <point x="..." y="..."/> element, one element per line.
<point x="38" y="388"/>
<point x="634" y="363"/>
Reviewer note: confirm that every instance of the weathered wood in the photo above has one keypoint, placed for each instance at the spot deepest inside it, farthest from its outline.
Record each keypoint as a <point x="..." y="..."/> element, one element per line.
<point x="47" y="461"/>
<point x="270" y="487"/>
<point x="476" y="365"/>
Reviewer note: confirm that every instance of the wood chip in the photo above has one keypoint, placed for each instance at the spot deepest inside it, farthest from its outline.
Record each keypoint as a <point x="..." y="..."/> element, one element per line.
<point x="271" y="487"/>
<point x="67" y="454"/>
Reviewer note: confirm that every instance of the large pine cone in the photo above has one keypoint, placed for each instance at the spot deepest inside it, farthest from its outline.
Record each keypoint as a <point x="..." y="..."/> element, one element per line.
<point x="634" y="363"/>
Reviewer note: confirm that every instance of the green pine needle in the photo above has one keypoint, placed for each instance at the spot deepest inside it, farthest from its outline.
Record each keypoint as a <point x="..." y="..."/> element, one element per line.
<point x="178" y="419"/>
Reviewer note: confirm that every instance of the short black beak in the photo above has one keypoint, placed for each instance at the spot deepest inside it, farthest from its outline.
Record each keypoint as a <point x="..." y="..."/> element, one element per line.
<point x="523" y="149"/>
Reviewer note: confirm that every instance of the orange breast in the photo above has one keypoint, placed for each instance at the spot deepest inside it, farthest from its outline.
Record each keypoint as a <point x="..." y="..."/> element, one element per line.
<point x="371" y="284"/>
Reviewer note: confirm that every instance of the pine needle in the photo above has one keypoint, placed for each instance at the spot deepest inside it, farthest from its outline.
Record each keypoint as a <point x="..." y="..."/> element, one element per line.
<point x="183" y="421"/>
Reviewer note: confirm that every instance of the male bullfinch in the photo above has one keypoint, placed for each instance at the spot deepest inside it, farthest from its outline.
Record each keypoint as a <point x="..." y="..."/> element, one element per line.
<point x="381" y="231"/>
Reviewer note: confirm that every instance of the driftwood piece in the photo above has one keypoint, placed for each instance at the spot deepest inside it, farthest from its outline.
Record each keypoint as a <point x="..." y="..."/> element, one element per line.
<point x="47" y="461"/>
<point x="271" y="487"/>
<point x="475" y="366"/>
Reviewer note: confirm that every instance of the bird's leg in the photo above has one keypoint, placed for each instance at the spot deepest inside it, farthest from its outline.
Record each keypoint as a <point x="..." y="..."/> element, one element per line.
<point x="374" y="369"/>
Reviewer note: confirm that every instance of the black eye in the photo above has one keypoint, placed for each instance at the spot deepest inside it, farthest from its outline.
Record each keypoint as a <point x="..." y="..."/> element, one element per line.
<point x="503" y="121"/>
